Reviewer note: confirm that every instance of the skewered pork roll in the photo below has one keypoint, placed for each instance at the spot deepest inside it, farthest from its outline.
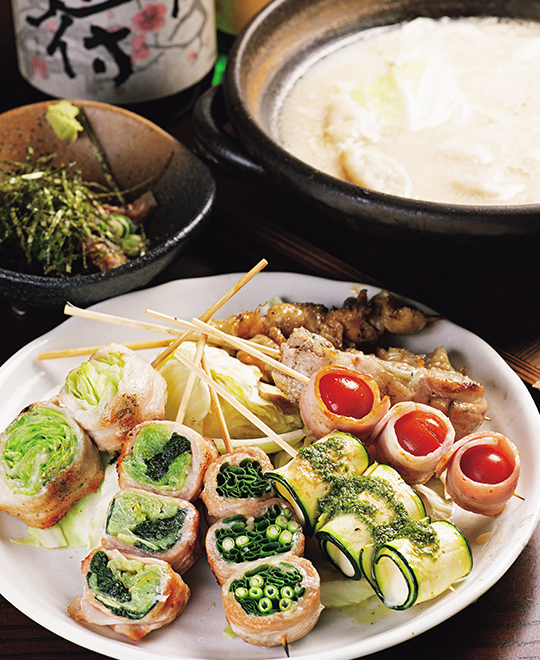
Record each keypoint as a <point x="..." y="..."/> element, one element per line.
<point x="271" y="530"/>
<point x="482" y="472"/>
<point x="273" y="601"/>
<point x="47" y="463"/>
<point x="144" y="524"/>
<point x="235" y="483"/>
<point x="412" y="438"/>
<point x="111" y="392"/>
<point x="344" y="399"/>
<point x="132" y="596"/>
<point x="167" y="458"/>
<point x="458" y="396"/>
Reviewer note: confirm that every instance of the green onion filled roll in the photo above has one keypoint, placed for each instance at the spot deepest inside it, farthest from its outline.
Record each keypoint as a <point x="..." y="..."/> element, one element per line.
<point x="47" y="463"/>
<point x="140" y="523"/>
<point x="309" y="475"/>
<point x="272" y="601"/>
<point x="236" y="483"/>
<point x="271" y="530"/>
<point x="115" y="389"/>
<point x="132" y="596"/>
<point x="167" y="458"/>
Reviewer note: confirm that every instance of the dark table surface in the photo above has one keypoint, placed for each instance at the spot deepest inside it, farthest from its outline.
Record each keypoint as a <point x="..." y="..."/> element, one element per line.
<point x="491" y="289"/>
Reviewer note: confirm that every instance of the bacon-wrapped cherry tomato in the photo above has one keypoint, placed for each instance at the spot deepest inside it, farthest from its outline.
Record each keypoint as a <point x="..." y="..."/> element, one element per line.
<point x="338" y="398"/>
<point x="482" y="471"/>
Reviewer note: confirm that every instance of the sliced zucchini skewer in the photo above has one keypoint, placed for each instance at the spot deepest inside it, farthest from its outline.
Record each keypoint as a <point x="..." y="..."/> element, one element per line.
<point x="405" y="575"/>
<point x="361" y="510"/>
<point x="309" y="475"/>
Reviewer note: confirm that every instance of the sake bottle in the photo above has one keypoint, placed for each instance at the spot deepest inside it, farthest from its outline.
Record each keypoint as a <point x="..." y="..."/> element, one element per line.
<point x="152" y="56"/>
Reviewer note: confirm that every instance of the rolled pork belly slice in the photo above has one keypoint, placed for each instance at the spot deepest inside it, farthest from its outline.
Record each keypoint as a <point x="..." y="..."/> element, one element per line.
<point x="235" y="483"/>
<point x="339" y="398"/>
<point x="47" y="463"/>
<point x="131" y="595"/>
<point x="412" y="438"/>
<point x="273" y="601"/>
<point x="113" y="391"/>
<point x="482" y="472"/>
<point x="271" y="530"/>
<point x="167" y="458"/>
<point x="144" y="524"/>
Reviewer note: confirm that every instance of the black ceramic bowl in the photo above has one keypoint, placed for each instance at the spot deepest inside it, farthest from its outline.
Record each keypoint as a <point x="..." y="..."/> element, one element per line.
<point x="270" y="52"/>
<point x="135" y="149"/>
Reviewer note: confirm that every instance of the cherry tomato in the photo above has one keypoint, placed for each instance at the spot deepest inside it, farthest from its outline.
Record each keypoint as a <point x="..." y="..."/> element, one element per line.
<point x="420" y="432"/>
<point x="346" y="395"/>
<point x="486" y="465"/>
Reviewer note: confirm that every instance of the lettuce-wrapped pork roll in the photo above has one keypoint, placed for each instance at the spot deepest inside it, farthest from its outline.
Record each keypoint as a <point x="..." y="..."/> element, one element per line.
<point x="270" y="531"/>
<point x="47" y="463"/>
<point x="235" y="483"/>
<point x="144" y="524"/>
<point x="110" y="393"/>
<point x="132" y="596"/>
<point x="167" y="458"/>
<point x="272" y="601"/>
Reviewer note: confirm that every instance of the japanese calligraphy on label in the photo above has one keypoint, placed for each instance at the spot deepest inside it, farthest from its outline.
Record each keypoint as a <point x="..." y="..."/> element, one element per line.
<point x="115" y="51"/>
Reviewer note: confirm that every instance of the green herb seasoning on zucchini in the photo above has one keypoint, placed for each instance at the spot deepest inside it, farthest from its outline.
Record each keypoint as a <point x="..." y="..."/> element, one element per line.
<point x="406" y="574"/>
<point x="364" y="509"/>
<point x="309" y="475"/>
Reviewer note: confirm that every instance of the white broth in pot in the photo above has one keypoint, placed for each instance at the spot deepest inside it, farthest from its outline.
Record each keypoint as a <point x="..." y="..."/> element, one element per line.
<point x="441" y="110"/>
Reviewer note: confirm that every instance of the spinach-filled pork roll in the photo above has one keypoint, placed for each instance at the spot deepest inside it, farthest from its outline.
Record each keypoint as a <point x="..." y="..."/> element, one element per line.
<point x="236" y="483"/>
<point x="47" y="463"/>
<point x="270" y="530"/>
<point x="132" y="596"/>
<point x="140" y="523"/>
<point x="273" y="601"/>
<point x="110" y="393"/>
<point x="167" y="458"/>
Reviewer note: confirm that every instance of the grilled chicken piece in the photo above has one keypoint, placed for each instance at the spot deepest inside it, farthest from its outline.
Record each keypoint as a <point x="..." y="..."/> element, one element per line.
<point x="360" y="321"/>
<point x="452" y="392"/>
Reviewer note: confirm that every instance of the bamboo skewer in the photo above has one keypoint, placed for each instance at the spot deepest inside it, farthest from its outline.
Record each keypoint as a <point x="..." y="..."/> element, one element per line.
<point x="240" y="343"/>
<point x="211" y="311"/>
<point x="236" y="404"/>
<point x="224" y="338"/>
<point x="218" y="411"/>
<point x="71" y="310"/>
<point x="188" y="389"/>
<point x="89" y="350"/>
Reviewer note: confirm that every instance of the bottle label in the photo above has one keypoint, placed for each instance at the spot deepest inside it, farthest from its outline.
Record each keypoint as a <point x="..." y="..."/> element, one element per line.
<point x="115" y="51"/>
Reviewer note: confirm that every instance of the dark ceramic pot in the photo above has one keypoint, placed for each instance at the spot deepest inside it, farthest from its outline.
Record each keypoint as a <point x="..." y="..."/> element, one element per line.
<point x="135" y="149"/>
<point x="268" y="54"/>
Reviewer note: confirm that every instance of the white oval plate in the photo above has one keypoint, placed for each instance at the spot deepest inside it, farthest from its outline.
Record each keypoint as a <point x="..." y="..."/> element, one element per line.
<point x="42" y="583"/>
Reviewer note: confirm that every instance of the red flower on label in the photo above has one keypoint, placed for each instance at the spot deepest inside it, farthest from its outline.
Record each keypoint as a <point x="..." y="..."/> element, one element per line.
<point x="39" y="68"/>
<point x="149" y="19"/>
<point x="140" y="47"/>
